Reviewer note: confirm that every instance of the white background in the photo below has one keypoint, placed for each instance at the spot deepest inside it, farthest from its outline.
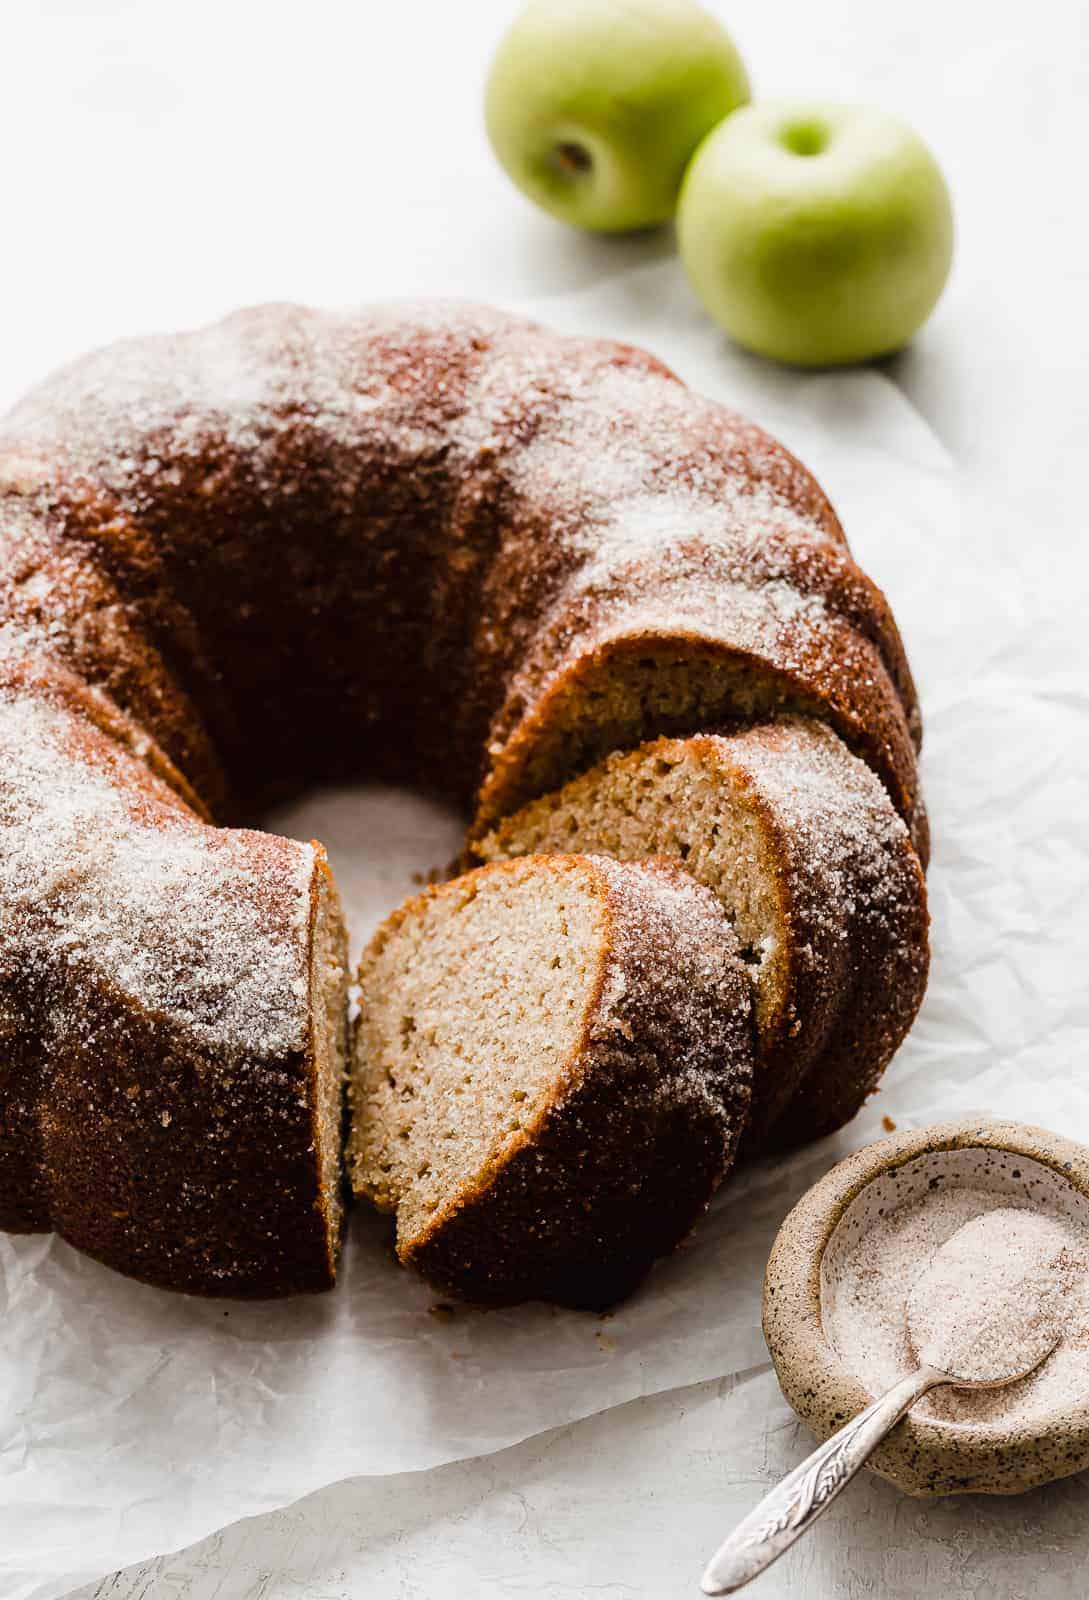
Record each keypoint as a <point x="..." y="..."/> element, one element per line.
<point x="164" y="163"/>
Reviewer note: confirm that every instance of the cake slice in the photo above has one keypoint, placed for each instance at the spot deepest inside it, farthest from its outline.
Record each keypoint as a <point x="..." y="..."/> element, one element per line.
<point x="551" y="1074"/>
<point x="816" y="871"/>
<point x="173" y="1013"/>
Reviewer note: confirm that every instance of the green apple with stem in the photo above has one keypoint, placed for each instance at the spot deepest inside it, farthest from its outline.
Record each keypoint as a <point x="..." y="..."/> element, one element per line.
<point x="816" y="234"/>
<point x="594" y="107"/>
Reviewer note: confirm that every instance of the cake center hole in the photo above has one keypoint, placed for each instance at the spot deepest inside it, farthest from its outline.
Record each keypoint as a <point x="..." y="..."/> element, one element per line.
<point x="804" y="138"/>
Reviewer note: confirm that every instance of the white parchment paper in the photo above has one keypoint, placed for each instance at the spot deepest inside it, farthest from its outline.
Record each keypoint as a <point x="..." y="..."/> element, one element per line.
<point x="133" y="1422"/>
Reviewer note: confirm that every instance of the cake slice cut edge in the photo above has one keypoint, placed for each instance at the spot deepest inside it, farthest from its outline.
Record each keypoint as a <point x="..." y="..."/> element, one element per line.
<point x="551" y="1074"/>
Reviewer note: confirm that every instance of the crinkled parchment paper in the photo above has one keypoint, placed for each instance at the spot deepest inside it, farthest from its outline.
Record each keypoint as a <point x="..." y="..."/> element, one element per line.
<point x="133" y="1422"/>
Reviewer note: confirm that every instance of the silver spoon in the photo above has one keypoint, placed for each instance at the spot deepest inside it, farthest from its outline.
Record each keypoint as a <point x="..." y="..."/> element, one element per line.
<point x="793" y="1506"/>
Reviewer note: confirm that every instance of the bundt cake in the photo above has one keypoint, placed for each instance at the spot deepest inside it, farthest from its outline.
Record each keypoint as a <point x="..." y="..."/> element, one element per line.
<point x="551" y="1073"/>
<point x="433" y="544"/>
<point x="800" y="843"/>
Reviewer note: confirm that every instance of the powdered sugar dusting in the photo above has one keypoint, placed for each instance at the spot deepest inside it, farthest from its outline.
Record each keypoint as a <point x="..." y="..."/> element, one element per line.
<point x="678" y="596"/>
<point x="622" y="460"/>
<point x="205" y="928"/>
<point x="708" y="1062"/>
<point x="572" y="494"/>
<point x="846" y="839"/>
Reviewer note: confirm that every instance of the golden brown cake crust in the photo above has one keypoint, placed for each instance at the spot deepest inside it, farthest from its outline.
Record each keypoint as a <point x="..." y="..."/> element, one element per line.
<point x="431" y="543"/>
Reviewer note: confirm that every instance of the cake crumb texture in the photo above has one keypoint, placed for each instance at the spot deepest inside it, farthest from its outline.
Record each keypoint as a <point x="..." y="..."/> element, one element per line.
<point x="552" y="1070"/>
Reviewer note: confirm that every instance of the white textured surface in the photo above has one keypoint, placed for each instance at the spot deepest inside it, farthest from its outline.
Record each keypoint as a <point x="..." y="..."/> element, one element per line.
<point x="622" y="1507"/>
<point x="165" y="163"/>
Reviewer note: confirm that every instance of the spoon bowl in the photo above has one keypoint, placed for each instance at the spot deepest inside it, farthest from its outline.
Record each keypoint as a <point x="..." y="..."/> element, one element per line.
<point x="794" y="1505"/>
<point x="965" y="1443"/>
<point x="984" y="1313"/>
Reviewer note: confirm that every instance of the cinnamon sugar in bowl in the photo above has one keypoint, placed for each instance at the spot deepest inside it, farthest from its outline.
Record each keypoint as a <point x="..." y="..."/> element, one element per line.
<point x="846" y="1259"/>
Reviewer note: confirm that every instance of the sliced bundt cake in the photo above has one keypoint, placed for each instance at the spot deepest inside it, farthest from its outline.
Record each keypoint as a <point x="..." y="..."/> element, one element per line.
<point x="424" y="543"/>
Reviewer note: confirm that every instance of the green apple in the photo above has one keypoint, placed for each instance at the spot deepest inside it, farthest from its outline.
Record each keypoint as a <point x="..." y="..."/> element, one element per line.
<point x="594" y="107"/>
<point x="816" y="234"/>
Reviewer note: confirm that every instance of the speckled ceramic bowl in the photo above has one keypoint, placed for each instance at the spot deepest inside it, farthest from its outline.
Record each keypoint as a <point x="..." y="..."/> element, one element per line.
<point x="921" y="1456"/>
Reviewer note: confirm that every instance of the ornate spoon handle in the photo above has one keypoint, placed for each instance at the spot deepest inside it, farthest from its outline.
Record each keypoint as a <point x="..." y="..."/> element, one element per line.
<point x="794" y="1505"/>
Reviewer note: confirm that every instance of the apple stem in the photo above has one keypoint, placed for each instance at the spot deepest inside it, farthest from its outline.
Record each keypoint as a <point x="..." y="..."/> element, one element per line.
<point x="573" y="159"/>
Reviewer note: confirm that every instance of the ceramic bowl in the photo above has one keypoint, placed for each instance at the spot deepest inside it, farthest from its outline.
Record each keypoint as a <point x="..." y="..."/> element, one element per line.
<point x="922" y="1456"/>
